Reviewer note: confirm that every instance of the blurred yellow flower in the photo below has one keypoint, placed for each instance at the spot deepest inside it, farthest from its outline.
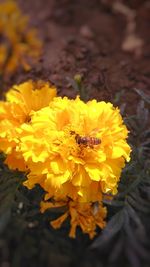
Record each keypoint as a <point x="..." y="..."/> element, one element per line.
<point x="75" y="149"/>
<point x="21" y="101"/>
<point x="19" y="43"/>
<point x="84" y="215"/>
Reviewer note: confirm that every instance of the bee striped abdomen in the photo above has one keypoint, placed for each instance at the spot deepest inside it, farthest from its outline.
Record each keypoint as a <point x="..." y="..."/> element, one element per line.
<point x="87" y="141"/>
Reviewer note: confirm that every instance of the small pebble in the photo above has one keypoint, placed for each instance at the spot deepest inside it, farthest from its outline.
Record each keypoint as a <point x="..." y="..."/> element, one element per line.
<point x="86" y="32"/>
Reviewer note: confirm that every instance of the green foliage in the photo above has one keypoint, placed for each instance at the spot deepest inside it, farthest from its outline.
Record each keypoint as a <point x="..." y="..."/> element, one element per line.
<point x="78" y="86"/>
<point x="9" y="186"/>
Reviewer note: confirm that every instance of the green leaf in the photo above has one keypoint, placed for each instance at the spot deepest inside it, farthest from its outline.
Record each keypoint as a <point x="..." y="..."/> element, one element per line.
<point x="112" y="228"/>
<point x="145" y="97"/>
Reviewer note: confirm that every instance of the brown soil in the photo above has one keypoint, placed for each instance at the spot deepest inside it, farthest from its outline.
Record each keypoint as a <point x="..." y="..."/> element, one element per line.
<point x="85" y="37"/>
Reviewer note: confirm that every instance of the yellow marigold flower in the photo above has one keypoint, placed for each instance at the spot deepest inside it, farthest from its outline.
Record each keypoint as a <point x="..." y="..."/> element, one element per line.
<point x="31" y="96"/>
<point x="20" y="44"/>
<point x="75" y="149"/>
<point x="84" y="215"/>
<point x="21" y="101"/>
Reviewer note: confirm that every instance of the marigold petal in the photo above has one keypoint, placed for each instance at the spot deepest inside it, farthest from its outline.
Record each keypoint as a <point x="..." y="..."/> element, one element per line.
<point x="58" y="222"/>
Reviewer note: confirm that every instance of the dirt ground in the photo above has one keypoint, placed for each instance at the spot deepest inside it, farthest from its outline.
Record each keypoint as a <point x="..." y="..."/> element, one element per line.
<point x="87" y="37"/>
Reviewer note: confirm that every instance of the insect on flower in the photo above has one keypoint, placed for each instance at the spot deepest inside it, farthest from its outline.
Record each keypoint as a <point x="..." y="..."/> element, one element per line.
<point x="89" y="141"/>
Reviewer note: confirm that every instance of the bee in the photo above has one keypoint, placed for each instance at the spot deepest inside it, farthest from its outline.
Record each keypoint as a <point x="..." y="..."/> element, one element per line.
<point x="89" y="141"/>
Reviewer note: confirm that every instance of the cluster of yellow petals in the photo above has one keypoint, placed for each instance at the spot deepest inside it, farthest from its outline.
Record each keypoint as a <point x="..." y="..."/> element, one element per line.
<point x="19" y="43"/>
<point x="21" y="101"/>
<point x="62" y="166"/>
<point x="85" y="215"/>
<point x="39" y="133"/>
